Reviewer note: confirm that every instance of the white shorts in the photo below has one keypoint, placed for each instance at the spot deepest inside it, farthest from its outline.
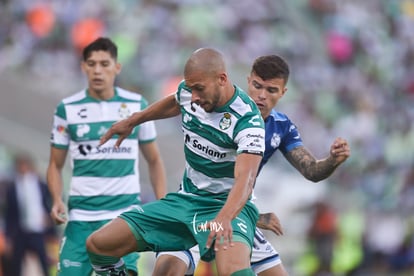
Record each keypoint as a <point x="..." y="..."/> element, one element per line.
<point x="189" y="257"/>
<point x="264" y="256"/>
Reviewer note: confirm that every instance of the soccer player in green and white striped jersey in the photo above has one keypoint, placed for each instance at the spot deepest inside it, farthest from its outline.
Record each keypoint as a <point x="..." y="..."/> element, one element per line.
<point x="105" y="180"/>
<point x="223" y="145"/>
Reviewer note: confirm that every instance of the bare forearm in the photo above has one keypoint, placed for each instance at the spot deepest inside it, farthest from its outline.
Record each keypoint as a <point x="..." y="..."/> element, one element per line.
<point x="245" y="176"/>
<point x="55" y="184"/>
<point x="236" y="200"/>
<point x="164" y="108"/>
<point x="311" y="168"/>
<point x="158" y="180"/>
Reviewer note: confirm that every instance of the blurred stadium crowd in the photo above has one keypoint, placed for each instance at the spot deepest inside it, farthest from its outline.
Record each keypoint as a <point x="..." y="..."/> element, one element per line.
<point x="352" y="75"/>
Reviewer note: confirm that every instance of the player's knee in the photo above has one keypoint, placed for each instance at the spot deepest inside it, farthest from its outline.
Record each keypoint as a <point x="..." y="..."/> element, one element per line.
<point x="91" y="245"/>
<point x="243" y="272"/>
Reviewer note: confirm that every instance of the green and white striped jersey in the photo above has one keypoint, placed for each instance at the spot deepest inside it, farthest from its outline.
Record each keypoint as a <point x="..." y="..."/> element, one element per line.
<point x="105" y="180"/>
<point x="213" y="140"/>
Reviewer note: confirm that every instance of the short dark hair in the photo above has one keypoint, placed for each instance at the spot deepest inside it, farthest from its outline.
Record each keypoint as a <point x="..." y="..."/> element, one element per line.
<point x="271" y="67"/>
<point x="100" y="44"/>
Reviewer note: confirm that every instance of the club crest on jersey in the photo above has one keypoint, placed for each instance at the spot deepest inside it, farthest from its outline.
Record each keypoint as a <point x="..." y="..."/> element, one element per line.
<point x="124" y="111"/>
<point x="225" y="122"/>
<point x="275" y="141"/>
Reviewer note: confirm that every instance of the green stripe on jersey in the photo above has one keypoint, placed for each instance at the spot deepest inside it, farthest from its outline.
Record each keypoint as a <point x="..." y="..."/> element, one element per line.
<point x="189" y="187"/>
<point x="94" y="131"/>
<point x="209" y="168"/>
<point x="104" y="167"/>
<point x="103" y="202"/>
<point x="61" y="111"/>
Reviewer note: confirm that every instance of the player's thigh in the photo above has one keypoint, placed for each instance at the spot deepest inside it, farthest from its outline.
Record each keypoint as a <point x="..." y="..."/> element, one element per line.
<point x="234" y="258"/>
<point x="162" y="225"/>
<point x="73" y="259"/>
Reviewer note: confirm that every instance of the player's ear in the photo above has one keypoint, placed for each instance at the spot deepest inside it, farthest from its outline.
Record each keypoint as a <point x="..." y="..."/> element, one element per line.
<point x="118" y="68"/>
<point x="222" y="78"/>
<point x="82" y="66"/>
<point x="284" y="91"/>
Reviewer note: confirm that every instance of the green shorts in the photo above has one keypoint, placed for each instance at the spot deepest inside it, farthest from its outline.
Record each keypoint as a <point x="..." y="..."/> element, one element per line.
<point x="73" y="258"/>
<point x="178" y="222"/>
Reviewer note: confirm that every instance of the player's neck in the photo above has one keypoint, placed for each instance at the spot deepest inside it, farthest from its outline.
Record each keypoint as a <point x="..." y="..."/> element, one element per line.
<point x="229" y="91"/>
<point x="102" y="95"/>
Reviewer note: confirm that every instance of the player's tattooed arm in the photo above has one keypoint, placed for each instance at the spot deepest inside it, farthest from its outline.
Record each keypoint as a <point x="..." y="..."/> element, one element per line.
<point x="311" y="168"/>
<point x="269" y="221"/>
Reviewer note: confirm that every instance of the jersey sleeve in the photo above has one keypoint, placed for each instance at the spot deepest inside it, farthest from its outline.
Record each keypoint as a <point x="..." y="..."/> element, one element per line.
<point x="250" y="134"/>
<point x="147" y="132"/>
<point x="291" y="138"/>
<point x="178" y="92"/>
<point x="60" y="136"/>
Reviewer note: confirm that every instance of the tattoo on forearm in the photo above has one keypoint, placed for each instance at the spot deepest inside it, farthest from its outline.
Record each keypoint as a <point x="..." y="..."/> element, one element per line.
<point x="311" y="168"/>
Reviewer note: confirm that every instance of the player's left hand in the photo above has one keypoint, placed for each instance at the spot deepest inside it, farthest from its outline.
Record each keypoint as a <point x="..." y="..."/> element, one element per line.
<point x="269" y="221"/>
<point x="340" y="150"/>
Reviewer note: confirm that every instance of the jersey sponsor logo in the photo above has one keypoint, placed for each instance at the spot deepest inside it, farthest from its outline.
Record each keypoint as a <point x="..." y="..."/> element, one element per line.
<point x="69" y="263"/>
<point x="203" y="148"/>
<point x="83" y="129"/>
<point x="86" y="149"/>
<point x="255" y="120"/>
<point x="206" y="225"/>
<point x="257" y="137"/>
<point x="82" y="113"/>
<point x="275" y="140"/>
<point x="102" y="130"/>
<point x="256" y="142"/>
<point x="124" y="111"/>
<point x="225" y="122"/>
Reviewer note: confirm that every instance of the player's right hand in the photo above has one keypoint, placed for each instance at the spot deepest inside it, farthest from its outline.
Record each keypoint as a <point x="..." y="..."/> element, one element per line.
<point x="122" y="128"/>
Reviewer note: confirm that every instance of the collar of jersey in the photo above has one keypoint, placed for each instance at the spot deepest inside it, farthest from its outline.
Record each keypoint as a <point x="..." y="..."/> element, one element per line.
<point x="114" y="98"/>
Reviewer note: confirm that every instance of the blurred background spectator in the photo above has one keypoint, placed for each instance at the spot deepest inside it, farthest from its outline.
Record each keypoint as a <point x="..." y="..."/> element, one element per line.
<point x="26" y="217"/>
<point x="352" y="66"/>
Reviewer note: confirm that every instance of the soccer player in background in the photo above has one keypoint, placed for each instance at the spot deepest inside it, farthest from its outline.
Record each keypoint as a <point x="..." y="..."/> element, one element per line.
<point x="105" y="180"/>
